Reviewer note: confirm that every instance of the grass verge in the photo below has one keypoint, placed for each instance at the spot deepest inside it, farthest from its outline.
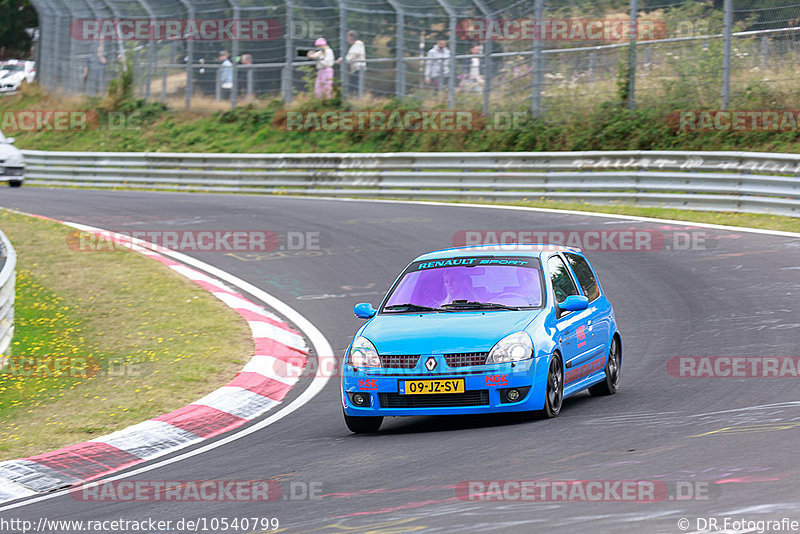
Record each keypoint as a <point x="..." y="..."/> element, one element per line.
<point x="104" y="340"/>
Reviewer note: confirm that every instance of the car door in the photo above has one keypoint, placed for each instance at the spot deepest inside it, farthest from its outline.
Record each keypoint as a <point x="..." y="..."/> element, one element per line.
<point x="571" y="326"/>
<point x="598" y="328"/>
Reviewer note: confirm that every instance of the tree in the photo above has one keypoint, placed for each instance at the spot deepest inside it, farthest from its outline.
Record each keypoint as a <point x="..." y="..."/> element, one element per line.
<point x="15" y="16"/>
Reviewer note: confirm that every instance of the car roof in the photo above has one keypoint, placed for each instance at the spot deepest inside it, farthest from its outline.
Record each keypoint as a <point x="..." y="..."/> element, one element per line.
<point x="535" y="249"/>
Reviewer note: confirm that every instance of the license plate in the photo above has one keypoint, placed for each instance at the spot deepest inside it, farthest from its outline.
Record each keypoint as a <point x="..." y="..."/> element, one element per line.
<point x="428" y="387"/>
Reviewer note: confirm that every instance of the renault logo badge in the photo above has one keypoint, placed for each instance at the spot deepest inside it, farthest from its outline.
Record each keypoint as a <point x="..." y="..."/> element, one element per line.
<point x="430" y="363"/>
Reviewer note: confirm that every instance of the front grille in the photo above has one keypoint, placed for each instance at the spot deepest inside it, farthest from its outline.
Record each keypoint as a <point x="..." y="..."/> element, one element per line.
<point x="435" y="400"/>
<point x="466" y="359"/>
<point x="400" y="361"/>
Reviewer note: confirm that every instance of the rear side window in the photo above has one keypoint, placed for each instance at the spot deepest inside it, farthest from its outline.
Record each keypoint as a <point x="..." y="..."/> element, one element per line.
<point x="563" y="286"/>
<point x="585" y="275"/>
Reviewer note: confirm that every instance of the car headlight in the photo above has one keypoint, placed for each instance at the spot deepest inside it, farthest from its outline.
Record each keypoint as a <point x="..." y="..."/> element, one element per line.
<point x="363" y="353"/>
<point x="512" y="348"/>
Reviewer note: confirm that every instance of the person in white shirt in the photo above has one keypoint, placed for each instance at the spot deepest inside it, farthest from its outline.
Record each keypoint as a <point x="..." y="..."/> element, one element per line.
<point x="323" y="87"/>
<point x="473" y="81"/>
<point x="356" y="58"/>
<point x="437" y="65"/>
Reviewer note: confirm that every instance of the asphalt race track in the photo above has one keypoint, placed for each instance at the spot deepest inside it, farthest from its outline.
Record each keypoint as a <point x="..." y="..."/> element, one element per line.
<point x="732" y="294"/>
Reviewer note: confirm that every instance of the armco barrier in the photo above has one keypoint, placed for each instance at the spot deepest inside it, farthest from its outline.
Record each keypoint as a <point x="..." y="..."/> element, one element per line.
<point x="8" y="264"/>
<point x="730" y="181"/>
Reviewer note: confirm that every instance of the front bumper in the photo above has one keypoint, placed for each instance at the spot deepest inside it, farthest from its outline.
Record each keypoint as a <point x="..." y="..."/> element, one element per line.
<point x="10" y="88"/>
<point x="14" y="172"/>
<point x="485" y="390"/>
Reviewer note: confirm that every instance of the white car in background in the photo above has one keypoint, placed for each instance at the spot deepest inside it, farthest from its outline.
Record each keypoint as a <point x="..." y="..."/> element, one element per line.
<point x="15" y="72"/>
<point x="12" y="164"/>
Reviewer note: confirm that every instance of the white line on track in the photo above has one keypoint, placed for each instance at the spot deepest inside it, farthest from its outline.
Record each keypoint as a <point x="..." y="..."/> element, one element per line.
<point x="321" y="346"/>
<point x="557" y="211"/>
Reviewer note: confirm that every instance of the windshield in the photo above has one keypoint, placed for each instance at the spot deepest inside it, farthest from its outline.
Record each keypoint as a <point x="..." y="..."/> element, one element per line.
<point x="458" y="284"/>
<point x="12" y="68"/>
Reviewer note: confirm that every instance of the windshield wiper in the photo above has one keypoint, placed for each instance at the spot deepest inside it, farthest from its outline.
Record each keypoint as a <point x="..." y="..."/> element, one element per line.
<point x="410" y="307"/>
<point x="472" y="305"/>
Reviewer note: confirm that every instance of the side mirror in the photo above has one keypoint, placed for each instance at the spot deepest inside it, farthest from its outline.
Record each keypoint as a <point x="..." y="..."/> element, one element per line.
<point x="574" y="303"/>
<point x="364" y="310"/>
<point x="10" y="140"/>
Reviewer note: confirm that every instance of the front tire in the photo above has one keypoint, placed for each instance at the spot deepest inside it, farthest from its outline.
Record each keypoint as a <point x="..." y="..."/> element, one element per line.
<point x="15" y="183"/>
<point x="610" y="385"/>
<point x="362" y="425"/>
<point x="554" y="393"/>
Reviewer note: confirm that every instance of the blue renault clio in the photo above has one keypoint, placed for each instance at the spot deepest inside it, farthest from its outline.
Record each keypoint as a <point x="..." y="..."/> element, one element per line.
<point x="476" y="330"/>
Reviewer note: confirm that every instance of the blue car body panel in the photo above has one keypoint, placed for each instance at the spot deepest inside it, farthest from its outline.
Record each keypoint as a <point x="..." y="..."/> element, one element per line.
<point x="583" y="339"/>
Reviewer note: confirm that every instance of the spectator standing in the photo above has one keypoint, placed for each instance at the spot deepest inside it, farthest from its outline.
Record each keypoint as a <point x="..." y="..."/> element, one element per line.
<point x="323" y="88"/>
<point x="356" y="63"/>
<point x="473" y="79"/>
<point x="437" y="65"/>
<point x="225" y="74"/>
<point x="94" y="72"/>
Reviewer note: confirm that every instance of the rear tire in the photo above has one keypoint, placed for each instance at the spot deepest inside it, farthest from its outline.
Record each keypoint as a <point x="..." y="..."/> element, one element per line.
<point x="15" y="183"/>
<point x="362" y="425"/>
<point x="610" y="385"/>
<point x="554" y="392"/>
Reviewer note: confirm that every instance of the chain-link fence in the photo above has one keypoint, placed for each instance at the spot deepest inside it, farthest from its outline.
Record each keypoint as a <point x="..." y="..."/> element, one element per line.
<point x="537" y="55"/>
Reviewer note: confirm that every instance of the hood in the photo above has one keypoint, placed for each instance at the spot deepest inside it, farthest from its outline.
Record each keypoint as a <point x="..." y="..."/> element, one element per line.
<point x="15" y="76"/>
<point x="8" y="150"/>
<point x="443" y="333"/>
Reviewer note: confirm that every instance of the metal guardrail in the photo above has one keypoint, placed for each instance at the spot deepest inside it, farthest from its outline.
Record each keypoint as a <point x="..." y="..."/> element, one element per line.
<point x="729" y="181"/>
<point x="8" y="264"/>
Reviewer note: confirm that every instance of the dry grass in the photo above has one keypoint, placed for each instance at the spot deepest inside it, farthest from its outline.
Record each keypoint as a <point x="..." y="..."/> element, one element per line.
<point x="153" y="341"/>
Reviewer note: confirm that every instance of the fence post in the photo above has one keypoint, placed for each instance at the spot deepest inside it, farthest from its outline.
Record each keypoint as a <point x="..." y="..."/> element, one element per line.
<point x="726" y="54"/>
<point x="764" y="51"/>
<point x="235" y="54"/>
<point x="538" y="60"/>
<point x="451" y="79"/>
<point x="633" y="28"/>
<point x="344" y="67"/>
<point x="151" y="43"/>
<point x="487" y="59"/>
<point x="400" y="73"/>
<point x="286" y="80"/>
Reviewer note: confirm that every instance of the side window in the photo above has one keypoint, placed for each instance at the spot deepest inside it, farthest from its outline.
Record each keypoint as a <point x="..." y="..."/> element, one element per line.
<point x="563" y="286"/>
<point x="584" y="274"/>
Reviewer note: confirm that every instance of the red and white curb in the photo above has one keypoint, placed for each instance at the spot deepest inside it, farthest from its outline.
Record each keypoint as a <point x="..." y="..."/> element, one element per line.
<point x="281" y="355"/>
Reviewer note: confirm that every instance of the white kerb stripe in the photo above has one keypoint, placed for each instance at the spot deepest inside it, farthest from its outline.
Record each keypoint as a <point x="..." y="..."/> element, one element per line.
<point x="149" y="439"/>
<point x="193" y="274"/>
<point x="274" y="368"/>
<point x="10" y="490"/>
<point x="240" y="303"/>
<point x="237" y="401"/>
<point x="281" y="335"/>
